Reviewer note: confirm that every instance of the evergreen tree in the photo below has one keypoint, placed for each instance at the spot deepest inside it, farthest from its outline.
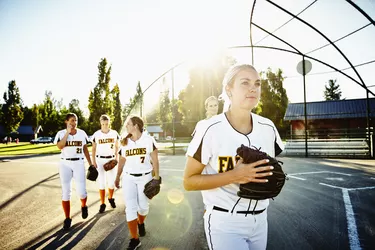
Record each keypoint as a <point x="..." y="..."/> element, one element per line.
<point x="332" y="91"/>
<point x="117" y="121"/>
<point x="12" y="108"/>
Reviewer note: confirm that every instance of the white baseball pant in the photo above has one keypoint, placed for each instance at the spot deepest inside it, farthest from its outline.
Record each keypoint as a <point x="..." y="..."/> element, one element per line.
<point x="102" y="174"/>
<point x="76" y="170"/>
<point x="136" y="201"/>
<point x="225" y="230"/>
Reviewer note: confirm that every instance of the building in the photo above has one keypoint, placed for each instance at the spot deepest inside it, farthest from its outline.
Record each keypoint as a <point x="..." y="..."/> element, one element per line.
<point x="326" y="116"/>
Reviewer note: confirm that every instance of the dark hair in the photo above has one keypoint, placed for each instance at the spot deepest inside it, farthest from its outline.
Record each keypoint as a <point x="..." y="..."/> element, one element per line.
<point x="70" y="115"/>
<point x="136" y="120"/>
<point x="104" y="118"/>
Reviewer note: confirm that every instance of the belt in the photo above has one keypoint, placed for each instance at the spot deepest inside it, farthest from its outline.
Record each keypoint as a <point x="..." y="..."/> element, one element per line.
<point x="138" y="175"/>
<point x="106" y="157"/>
<point x="72" y="159"/>
<point x="238" y="212"/>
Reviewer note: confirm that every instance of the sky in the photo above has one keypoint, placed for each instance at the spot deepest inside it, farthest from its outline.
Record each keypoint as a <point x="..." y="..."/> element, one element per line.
<point x="57" y="45"/>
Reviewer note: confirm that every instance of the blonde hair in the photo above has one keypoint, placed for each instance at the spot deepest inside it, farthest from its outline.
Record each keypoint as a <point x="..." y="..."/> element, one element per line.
<point x="210" y="98"/>
<point x="228" y="80"/>
<point x="136" y="120"/>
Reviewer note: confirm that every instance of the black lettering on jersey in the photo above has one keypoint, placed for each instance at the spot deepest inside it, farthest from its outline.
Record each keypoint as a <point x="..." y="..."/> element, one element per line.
<point x="73" y="144"/>
<point x="135" y="151"/>
<point x="227" y="163"/>
<point x="106" y="140"/>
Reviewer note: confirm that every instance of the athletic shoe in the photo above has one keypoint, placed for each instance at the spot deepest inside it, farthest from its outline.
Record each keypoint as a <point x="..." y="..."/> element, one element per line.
<point x="112" y="202"/>
<point x="67" y="223"/>
<point x="102" y="208"/>
<point x="85" y="212"/>
<point x="141" y="229"/>
<point x="134" y="244"/>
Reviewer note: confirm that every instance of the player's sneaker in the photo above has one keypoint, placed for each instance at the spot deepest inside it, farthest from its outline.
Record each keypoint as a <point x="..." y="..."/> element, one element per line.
<point x="85" y="212"/>
<point x="67" y="223"/>
<point x="134" y="244"/>
<point x="102" y="208"/>
<point x="112" y="202"/>
<point x="141" y="229"/>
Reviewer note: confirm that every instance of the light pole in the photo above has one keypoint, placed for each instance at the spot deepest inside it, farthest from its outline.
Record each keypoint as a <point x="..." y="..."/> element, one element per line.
<point x="304" y="67"/>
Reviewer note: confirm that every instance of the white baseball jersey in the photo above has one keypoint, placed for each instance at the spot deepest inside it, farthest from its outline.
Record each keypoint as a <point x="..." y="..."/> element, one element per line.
<point x="214" y="145"/>
<point x="105" y="142"/>
<point x="74" y="143"/>
<point x="138" y="154"/>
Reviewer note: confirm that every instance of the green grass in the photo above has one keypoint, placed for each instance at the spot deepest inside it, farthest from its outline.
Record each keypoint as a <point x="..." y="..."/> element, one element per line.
<point x="25" y="148"/>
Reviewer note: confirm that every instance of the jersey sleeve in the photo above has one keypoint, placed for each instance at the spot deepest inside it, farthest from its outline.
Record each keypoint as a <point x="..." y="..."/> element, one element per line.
<point x="86" y="138"/>
<point x="57" y="138"/>
<point x="93" y="138"/>
<point x="200" y="146"/>
<point x="154" y="144"/>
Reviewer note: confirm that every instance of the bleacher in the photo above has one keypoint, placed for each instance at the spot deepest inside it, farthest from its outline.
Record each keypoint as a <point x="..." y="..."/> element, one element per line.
<point x="343" y="148"/>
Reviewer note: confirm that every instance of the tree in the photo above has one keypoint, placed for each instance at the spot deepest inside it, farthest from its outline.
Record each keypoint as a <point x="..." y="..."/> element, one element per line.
<point x="11" y="109"/>
<point x="135" y="104"/>
<point x="35" y="116"/>
<point x="204" y="82"/>
<point x="332" y="91"/>
<point x="117" y="114"/>
<point x="165" y="114"/>
<point x="274" y="100"/>
<point x="49" y="117"/>
<point x="100" y="99"/>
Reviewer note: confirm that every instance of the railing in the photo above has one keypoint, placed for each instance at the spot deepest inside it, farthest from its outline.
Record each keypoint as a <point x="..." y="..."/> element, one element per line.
<point x="351" y="143"/>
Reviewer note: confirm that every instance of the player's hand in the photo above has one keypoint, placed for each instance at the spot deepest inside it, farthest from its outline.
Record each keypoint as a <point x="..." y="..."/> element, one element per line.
<point x="244" y="173"/>
<point x="69" y="128"/>
<point x="117" y="182"/>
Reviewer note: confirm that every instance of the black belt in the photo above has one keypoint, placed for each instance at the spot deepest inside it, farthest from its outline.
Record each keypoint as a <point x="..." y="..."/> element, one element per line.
<point x="239" y="212"/>
<point x="138" y="175"/>
<point x="106" y="157"/>
<point x="72" y="159"/>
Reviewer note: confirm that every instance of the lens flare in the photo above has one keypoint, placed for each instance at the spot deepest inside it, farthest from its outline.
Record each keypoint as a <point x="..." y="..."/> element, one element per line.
<point x="175" y="196"/>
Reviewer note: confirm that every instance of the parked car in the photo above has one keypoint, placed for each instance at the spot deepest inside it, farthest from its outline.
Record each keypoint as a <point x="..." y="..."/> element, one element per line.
<point x="42" y="140"/>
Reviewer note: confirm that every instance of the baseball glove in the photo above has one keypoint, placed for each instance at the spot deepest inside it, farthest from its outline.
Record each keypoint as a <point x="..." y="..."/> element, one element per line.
<point x="261" y="191"/>
<point x="92" y="173"/>
<point x="110" y="165"/>
<point x="152" y="188"/>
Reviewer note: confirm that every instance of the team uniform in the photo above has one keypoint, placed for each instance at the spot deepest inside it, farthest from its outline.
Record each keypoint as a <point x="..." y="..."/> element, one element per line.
<point x="72" y="163"/>
<point x="105" y="151"/>
<point x="136" y="173"/>
<point x="230" y="219"/>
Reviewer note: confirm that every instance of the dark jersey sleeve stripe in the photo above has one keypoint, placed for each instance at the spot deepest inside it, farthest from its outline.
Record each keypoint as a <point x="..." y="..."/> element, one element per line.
<point x="154" y="147"/>
<point x="198" y="154"/>
<point x="278" y="150"/>
<point x="119" y="152"/>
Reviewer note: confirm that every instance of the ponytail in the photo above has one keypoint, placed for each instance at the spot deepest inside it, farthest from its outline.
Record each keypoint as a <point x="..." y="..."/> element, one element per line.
<point x="124" y="141"/>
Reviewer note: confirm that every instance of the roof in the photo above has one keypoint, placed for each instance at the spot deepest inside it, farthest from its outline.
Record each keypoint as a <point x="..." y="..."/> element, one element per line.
<point x="154" y="129"/>
<point x="355" y="108"/>
<point x="22" y="130"/>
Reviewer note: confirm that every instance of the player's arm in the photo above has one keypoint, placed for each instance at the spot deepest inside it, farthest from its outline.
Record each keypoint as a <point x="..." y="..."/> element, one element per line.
<point x="120" y="167"/>
<point x="87" y="154"/>
<point x="242" y="173"/>
<point x="93" y="154"/>
<point x="117" y="158"/>
<point x="155" y="163"/>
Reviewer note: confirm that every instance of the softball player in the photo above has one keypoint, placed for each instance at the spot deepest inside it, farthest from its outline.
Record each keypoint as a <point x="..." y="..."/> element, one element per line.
<point x="212" y="106"/>
<point x="105" y="148"/>
<point x="138" y="158"/>
<point x="232" y="222"/>
<point x="72" y="142"/>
